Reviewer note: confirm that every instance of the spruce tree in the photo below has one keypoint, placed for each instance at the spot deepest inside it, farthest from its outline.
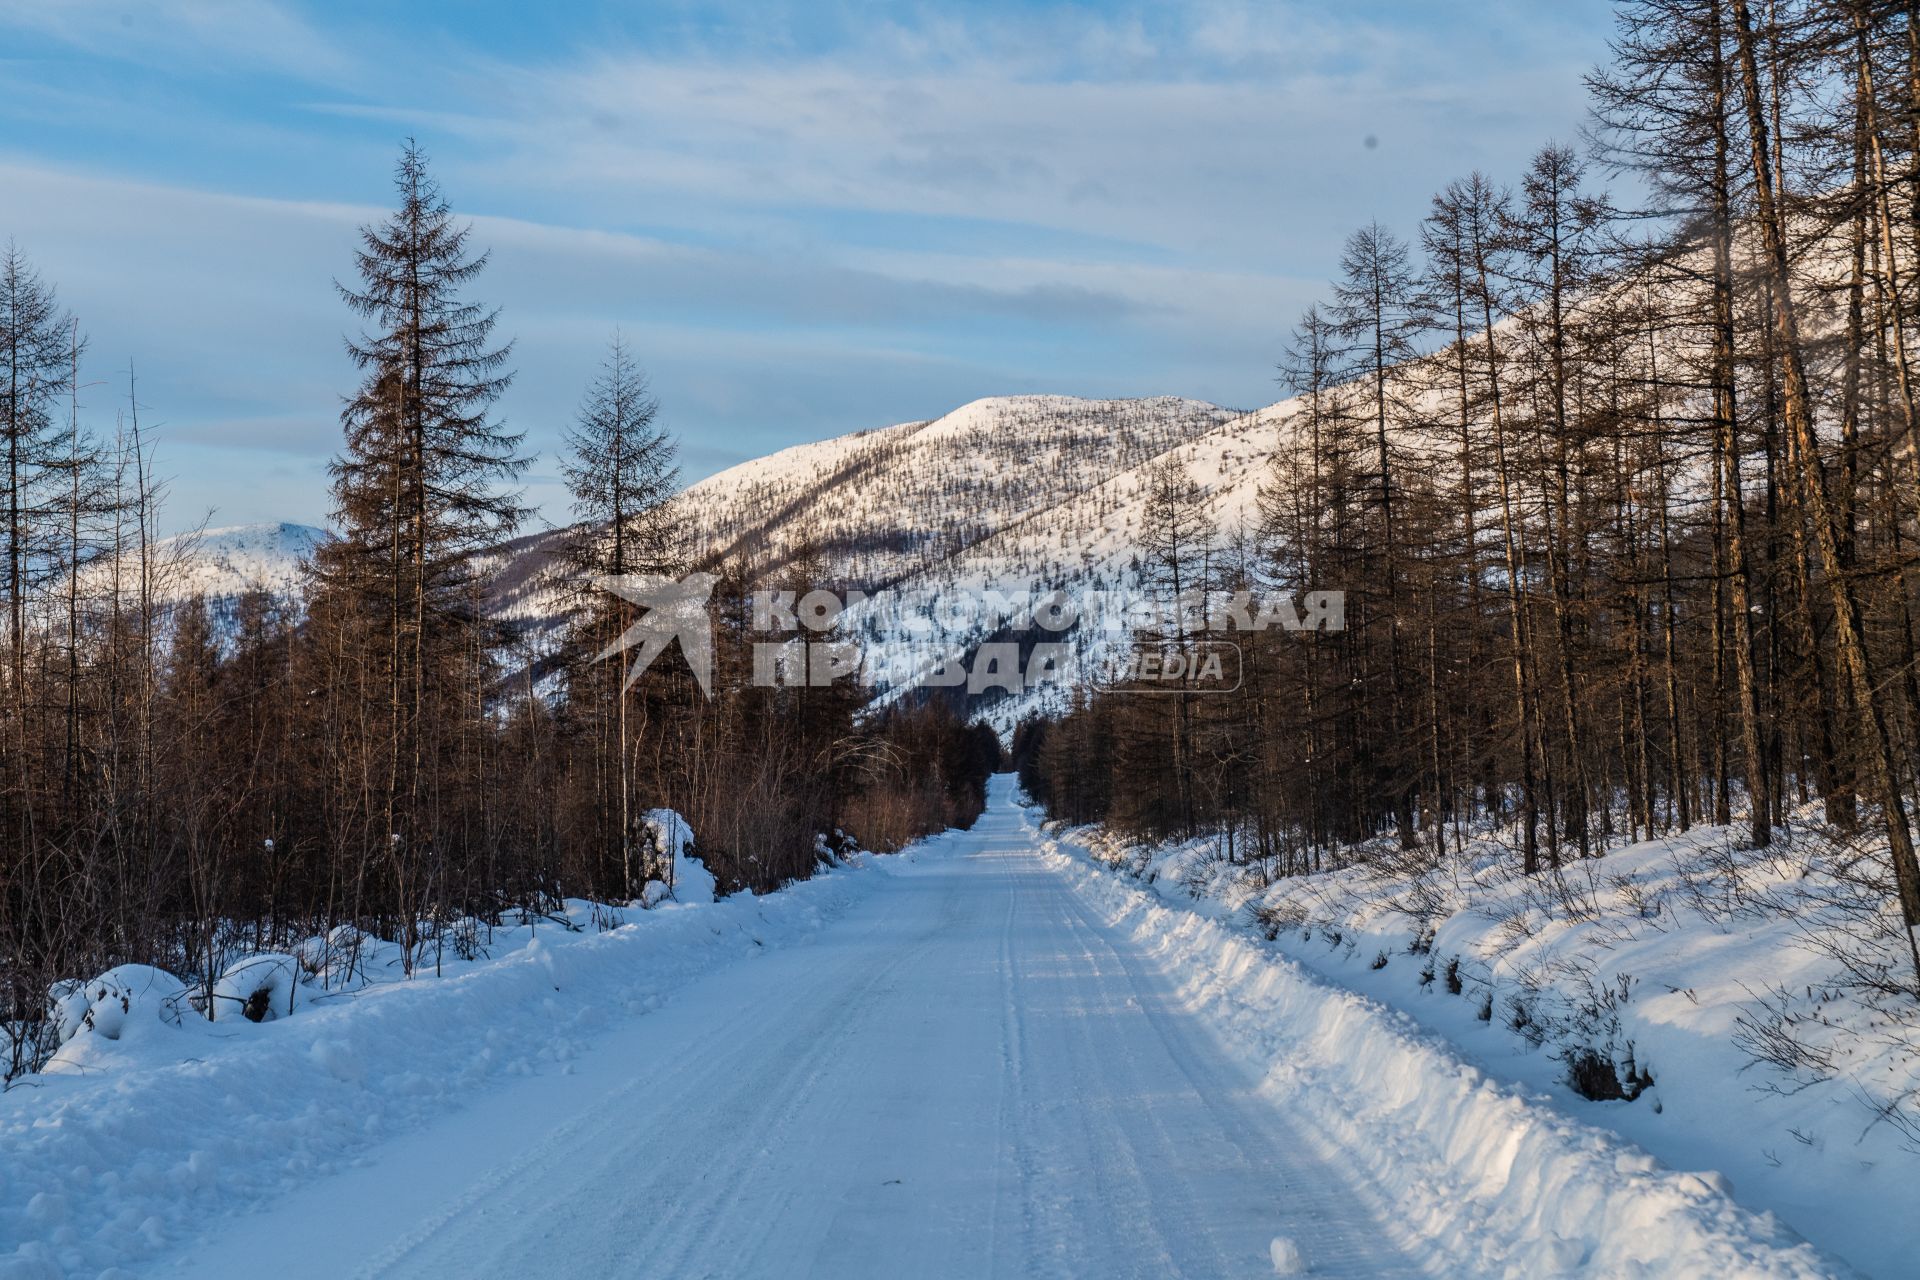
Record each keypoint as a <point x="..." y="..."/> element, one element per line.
<point x="419" y="488"/>
<point x="621" y="472"/>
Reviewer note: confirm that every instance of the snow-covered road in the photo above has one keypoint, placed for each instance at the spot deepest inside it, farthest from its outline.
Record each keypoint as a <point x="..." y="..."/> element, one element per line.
<point x="965" y="1076"/>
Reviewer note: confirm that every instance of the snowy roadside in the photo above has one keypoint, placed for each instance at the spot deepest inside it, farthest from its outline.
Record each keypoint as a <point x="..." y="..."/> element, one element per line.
<point x="151" y="1133"/>
<point x="1476" y="1164"/>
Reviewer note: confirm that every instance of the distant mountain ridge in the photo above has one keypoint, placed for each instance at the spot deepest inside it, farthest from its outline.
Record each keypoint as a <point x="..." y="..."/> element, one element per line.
<point x="232" y="560"/>
<point x="223" y="564"/>
<point x="1042" y="490"/>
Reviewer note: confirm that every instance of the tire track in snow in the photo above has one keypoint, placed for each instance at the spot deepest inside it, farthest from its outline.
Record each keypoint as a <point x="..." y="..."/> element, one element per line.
<point x="1336" y="1216"/>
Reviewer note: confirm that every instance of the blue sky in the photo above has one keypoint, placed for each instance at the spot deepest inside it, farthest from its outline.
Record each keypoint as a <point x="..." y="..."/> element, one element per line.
<point x="808" y="218"/>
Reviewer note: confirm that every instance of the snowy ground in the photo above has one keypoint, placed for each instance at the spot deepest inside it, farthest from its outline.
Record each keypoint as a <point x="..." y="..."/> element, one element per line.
<point x="1735" y="990"/>
<point x="984" y="1057"/>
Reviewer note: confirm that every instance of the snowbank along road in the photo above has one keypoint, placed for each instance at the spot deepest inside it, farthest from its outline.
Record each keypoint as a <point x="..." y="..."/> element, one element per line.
<point x="981" y="1069"/>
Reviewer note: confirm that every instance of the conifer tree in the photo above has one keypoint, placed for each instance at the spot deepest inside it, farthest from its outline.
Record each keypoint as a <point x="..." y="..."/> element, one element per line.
<point x="419" y="488"/>
<point x="1379" y="311"/>
<point x="36" y="362"/>
<point x="620" y="470"/>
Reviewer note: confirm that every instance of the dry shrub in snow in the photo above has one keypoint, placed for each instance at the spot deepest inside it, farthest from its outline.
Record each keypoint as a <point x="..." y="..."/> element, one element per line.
<point x="259" y="988"/>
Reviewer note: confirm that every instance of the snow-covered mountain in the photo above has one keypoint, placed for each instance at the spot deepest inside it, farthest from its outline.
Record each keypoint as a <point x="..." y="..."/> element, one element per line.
<point x="228" y="562"/>
<point x="887" y="506"/>
<point x="1041" y="492"/>
<point x="218" y="565"/>
<point x="1023" y="494"/>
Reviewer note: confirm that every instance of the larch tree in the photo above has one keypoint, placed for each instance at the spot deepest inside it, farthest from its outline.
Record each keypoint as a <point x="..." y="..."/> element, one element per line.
<point x="621" y="472"/>
<point x="1380" y="313"/>
<point x="37" y="357"/>
<point x="1873" y="739"/>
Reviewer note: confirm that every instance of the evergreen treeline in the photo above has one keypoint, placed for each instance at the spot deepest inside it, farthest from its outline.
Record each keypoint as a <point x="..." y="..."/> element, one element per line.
<point x="1624" y="499"/>
<point x="176" y="788"/>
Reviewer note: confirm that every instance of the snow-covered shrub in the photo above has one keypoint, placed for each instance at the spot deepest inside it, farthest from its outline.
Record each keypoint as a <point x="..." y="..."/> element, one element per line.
<point x="125" y="1002"/>
<point x="1286" y="1257"/>
<point x="602" y="917"/>
<point x="336" y="958"/>
<point x="1593" y="1077"/>
<point x="1273" y="917"/>
<point x="67" y="1008"/>
<point x="258" y="988"/>
<point x="463" y="936"/>
<point x="1598" y="1077"/>
<point x="677" y="873"/>
<point x="833" y="850"/>
<point x="1195" y="868"/>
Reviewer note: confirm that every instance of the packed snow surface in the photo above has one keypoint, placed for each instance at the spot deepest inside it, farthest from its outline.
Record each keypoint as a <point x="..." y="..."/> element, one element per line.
<point x="985" y="1056"/>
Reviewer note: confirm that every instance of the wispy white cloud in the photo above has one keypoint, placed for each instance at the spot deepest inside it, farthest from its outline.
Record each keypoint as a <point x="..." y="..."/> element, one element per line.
<point x="192" y="34"/>
<point x="813" y="217"/>
<point x="1220" y="135"/>
<point x="226" y="304"/>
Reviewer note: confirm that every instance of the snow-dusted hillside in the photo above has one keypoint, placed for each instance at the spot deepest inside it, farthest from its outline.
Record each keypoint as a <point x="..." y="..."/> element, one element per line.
<point x="1023" y="494"/>
<point x="885" y="506"/>
<point x="219" y="565"/>
<point x="228" y="562"/>
<point x="1089" y="542"/>
<point x="1036" y="490"/>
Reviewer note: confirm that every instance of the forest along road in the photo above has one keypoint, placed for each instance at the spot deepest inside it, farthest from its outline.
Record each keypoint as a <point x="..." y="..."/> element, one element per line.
<point x="965" y="1076"/>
